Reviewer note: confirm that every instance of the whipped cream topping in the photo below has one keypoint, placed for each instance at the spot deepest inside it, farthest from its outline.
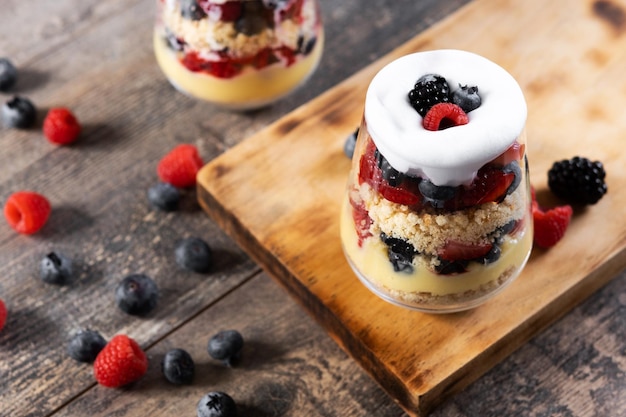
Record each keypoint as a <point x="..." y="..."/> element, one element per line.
<point x="451" y="156"/>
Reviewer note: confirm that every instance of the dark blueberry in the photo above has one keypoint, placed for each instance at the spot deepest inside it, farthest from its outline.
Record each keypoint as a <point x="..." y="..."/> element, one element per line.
<point x="400" y="253"/>
<point x="55" y="268"/>
<point x="18" y="112"/>
<point x="136" y="294"/>
<point x="173" y="42"/>
<point x="190" y="10"/>
<point x="178" y="367"/>
<point x="513" y="167"/>
<point x="390" y="174"/>
<point x="429" y="90"/>
<point x="578" y="180"/>
<point x="252" y="20"/>
<point x="216" y="404"/>
<point x="194" y="254"/>
<point x="491" y="256"/>
<point x="307" y="47"/>
<point x="85" y="345"/>
<point x="437" y="195"/>
<point x="226" y="346"/>
<point x="164" y="196"/>
<point x="502" y="231"/>
<point x="275" y="4"/>
<point x="8" y="74"/>
<point x="466" y="98"/>
<point x="348" y="146"/>
<point x="451" y="267"/>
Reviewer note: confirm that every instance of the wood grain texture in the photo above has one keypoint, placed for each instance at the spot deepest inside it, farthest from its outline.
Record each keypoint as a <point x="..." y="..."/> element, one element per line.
<point x="297" y="170"/>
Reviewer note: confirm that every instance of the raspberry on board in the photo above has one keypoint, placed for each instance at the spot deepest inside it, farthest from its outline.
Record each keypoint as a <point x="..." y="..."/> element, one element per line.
<point x="550" y="225"/>
<point x="3" y="314"/>
<point x="180" y="166"/>
<point x="61" y="126"/>
<point x="27" y="211"/>
<point x="120" y="362"/>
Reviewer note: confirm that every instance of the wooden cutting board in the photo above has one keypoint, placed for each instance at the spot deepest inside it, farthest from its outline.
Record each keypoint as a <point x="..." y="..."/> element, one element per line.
<point x="278" y="195"/>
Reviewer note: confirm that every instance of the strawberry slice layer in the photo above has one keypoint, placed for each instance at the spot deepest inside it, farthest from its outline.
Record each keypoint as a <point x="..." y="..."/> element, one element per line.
<point x="458" y="251"/>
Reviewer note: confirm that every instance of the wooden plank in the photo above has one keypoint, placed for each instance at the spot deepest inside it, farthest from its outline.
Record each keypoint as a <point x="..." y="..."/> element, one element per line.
<point x="295" y="171"/>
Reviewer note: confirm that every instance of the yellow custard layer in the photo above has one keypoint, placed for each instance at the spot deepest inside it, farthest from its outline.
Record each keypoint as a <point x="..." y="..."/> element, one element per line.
<point x="252" y="88"/>
<point x="372" y="262"/>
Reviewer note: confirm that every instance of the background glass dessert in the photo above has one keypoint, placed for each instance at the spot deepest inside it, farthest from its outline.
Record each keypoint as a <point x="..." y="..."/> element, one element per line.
<point x="436" y="215"/>
<point x="238" y="53"/>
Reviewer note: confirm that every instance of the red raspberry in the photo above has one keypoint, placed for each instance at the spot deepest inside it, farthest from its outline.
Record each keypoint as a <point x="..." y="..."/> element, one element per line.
<point x="362" y="221"/>
<point x="60" y="126"/>
<point x="3" y="314"/>
<point x="550" y="225"/>
<point x="444" y="115"/>
<point x="180" y="166"/>
<point x="120" y="362"/>
<point x="27" y="211"/>
<point x="490" y="184"/>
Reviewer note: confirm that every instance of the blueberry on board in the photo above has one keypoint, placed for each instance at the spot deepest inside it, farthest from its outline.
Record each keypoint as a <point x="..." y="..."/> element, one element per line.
<point x="178" y="367"/>
<point x="216" y="404"/>
<point x="8" y="74"/>
<point x="194" y="254"/>
<point x="164" y="196"/>
<point x="18" y="112"/>
<point x="226" y="346"/>
<point x="466" y="98"/>
<point x="136" y="294"/>
<point x="55" y="268"/>
<point x="85" y="345"/>
<point x="350" y="143"/>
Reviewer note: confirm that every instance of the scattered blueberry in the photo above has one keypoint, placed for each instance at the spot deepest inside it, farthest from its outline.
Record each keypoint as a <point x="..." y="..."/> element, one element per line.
<point x="136" y="294"/>
<point x="400" y="253"/>
<point x="348" y="146"/>
<point x="390" y="174"/>
<point x="216" y="404"/>
<point x="226" y="346"/>
<point x="578" y="180"/>
<point x="513" y="167"/>
<point x="85" y="345"/>
<point x="466" y="98"/>
<point x="18" y="112"/>
<point x="429" y="90"/>
<point x="8" y="74"/>
<point x="194" y="254"/>
<point x="190" y="10"/>
<point x="55" y="268"/>
<point x="164" y="196"/>
<point x="178" y="367"/>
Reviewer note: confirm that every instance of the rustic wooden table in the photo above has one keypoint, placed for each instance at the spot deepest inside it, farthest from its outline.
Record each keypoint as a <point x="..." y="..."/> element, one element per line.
<point x="96" y="58"/>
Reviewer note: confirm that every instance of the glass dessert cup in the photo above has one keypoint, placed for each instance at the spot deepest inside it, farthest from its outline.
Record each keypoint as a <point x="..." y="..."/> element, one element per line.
<point x="438" y="233"/>
<point x="239" y="54"/>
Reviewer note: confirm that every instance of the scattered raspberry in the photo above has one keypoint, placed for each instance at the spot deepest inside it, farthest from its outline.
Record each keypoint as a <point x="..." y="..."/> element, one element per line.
<point x="444" y="115"/>
<point x="3" y="314"/>
<point x="120" y="362"/>
<point x="550" y="225"/>
<point x="60" y="126"/>
<point x="180" y="166"/>
<point x="27" y="211"/>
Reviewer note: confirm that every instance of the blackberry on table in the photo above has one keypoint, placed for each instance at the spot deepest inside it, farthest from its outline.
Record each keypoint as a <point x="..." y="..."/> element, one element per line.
<point x="429" y="90"/>
<point x="578" y="180"/>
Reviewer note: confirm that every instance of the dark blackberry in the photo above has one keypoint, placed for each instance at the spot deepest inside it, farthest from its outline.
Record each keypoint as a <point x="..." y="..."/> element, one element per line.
<point x="400" y="253"/>
<point x="466" y="98"/>
<point x="436" y="195"/>
<point x="429" y="90"/>
<point x="190" y="10"/>
<point x="578" y="180"/>
<point x="226" y="346"/>
<point x="349" y="144"/>
<point x="390" y="174"/>
<point x="194" y="254"/>
<point x="178" y="367"/>
<point x="216" y="404"/>
<point x="85" y="345"/>
<point x="164" y="196"/>
<point x="19" y="112"/>
<point x="55" y="268"/>
<point x="136" y="294"/>
<point x="8" y="74"/>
